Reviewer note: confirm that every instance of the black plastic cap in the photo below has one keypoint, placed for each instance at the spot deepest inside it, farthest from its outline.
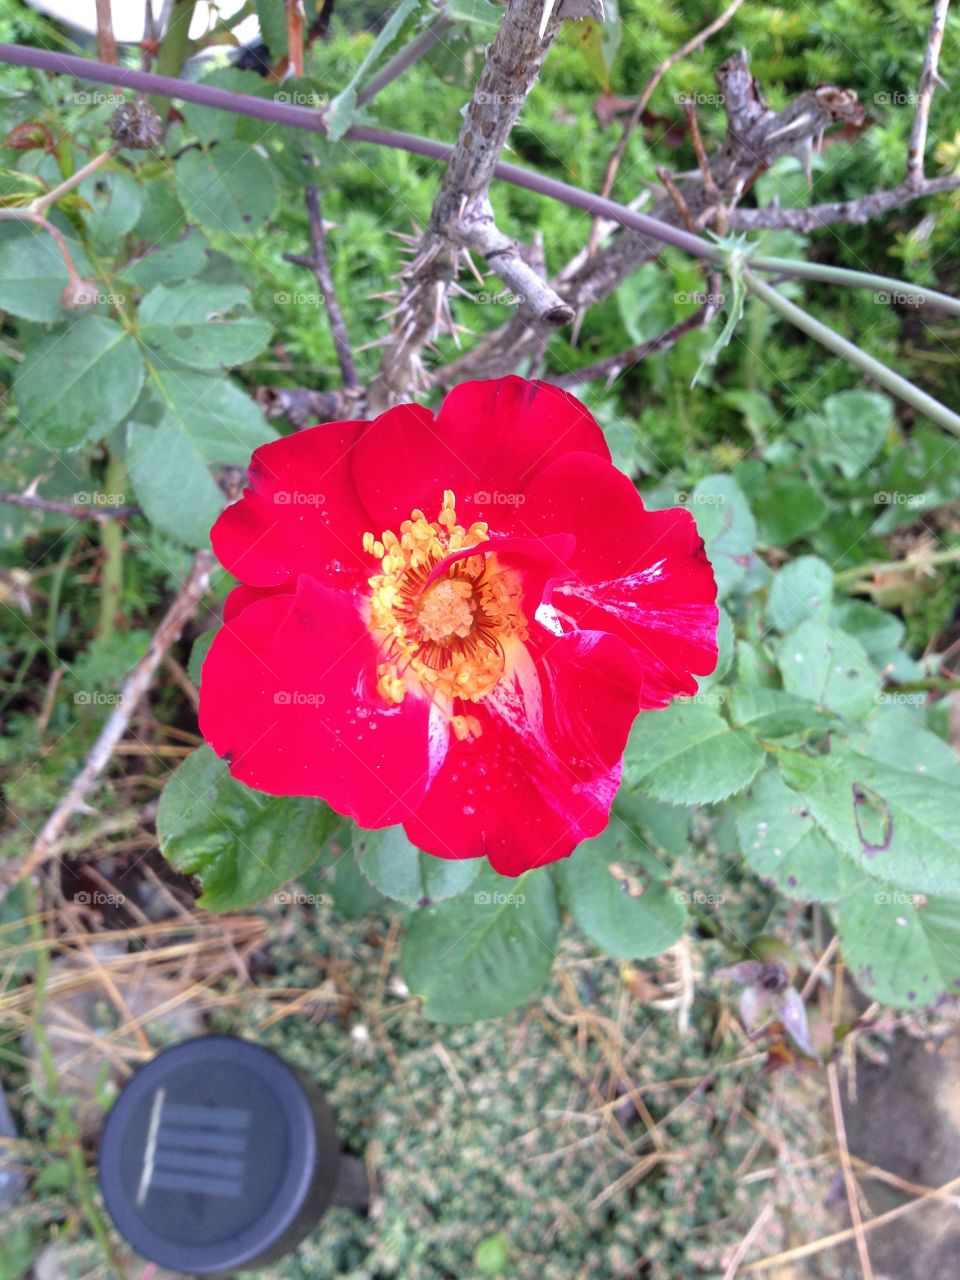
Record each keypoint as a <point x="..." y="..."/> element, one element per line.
<point x="217" y="1157"/>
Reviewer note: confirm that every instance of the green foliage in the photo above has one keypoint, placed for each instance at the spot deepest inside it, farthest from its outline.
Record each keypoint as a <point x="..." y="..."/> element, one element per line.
<point x="487" y="950"/>
<point x="241" y="845"/>
<point x="824" y="779"/>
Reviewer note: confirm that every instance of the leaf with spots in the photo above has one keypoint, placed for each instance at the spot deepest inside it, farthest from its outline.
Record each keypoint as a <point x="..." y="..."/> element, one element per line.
<point x="828" y="667"/>
<point x="199" y="325"/>
<point x="901" y="948"/>
<point x="898" y="823"/>
<point x="608" y="889"/>
<point x="782" y="844"/>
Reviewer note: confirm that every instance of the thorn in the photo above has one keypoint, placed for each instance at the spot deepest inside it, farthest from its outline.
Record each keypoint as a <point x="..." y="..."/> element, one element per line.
<point x="545" y="17"/>
<point x="472" y="265"/>
<point x="377" y="342"/>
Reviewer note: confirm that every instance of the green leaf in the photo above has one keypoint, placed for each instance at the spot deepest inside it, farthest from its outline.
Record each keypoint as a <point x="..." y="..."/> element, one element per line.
<point x="726" y="648"/>
<point x="773" y="713"/>
<point x="850" y="430"/>
<point x="727" y="527"/>
<point x="786" y="510"/>
<point x="688" y="754"/>
<point x="343" y="108"/>
<point x="115" y="203"/>
<point x="403" y="872"/>
<point x="242" y="845"/>
<point x="881" y="634"/>
<point x="191" y="324"/>
<point x="230" y="188"/>
<point x="225" y="424"/>
<point x="802" y="589"/>
<point x="199" y="651"/>
<point x="172" y="481"/>
<point x="272" y="17"/>
<point x="781" y="842"/>
<point x="895" y="736"/>
<point x="178" y="261"/>
<point x="33" y="274"/>
<point x="485" y="952"/>
<point x="476" y="12"/>
<point x="598" y="42"/>
<point x="738" y="253"/>
<point x="901" y="948"/>
<point x="607" y="889"/>
<point x="828" y="667"/>
<point x="78" y="381"/>
<point x="898" y="823"/>
<point x="341" y="878"/>
<point x="662" y="826"/>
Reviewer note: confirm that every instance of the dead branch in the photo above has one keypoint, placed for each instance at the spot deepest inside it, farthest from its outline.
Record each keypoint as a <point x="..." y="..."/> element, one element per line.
<point x="131" y="692"/>
<point x="929" y="79"/>
<point x="318" y="262"/>
<point x="32" y="502"/>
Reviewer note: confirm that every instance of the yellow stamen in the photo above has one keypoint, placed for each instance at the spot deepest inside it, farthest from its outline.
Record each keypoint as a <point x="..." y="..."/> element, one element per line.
<point x="445" y="639"/>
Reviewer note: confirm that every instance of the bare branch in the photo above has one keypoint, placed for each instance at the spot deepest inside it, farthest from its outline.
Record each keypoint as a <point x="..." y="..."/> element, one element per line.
<point x="131" y="692"/>
<point x="407" y="56"/>
<point x="850" y="212"/>
<point x="79" y="512"/>
<point x="642" y="102"/>
<point x="106" y="44"/>
<point x="319" y="264"/>
<point x="613" y="366"/>
<point x="929" y="79"/>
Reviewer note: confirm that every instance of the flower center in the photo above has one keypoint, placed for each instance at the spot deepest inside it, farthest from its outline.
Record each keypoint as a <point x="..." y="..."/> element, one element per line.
<point x="442" y="635"/>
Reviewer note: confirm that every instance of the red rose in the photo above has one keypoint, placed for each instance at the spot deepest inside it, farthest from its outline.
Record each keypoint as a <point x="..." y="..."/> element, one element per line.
<point x="451" y="622"/>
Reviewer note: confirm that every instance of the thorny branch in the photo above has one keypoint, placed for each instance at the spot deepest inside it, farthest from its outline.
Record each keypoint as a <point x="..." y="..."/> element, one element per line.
<point x="756" y="137"/>
<point x="462" y="218"/>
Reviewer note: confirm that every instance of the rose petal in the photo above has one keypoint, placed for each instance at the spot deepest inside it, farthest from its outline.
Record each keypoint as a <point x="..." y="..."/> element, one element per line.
<point x="543" y="773"/>
<point x="288" y="696"/>
<point x="639" y="574"/>
<point x="487" y="442"/>
<point x="299" y="515"/>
